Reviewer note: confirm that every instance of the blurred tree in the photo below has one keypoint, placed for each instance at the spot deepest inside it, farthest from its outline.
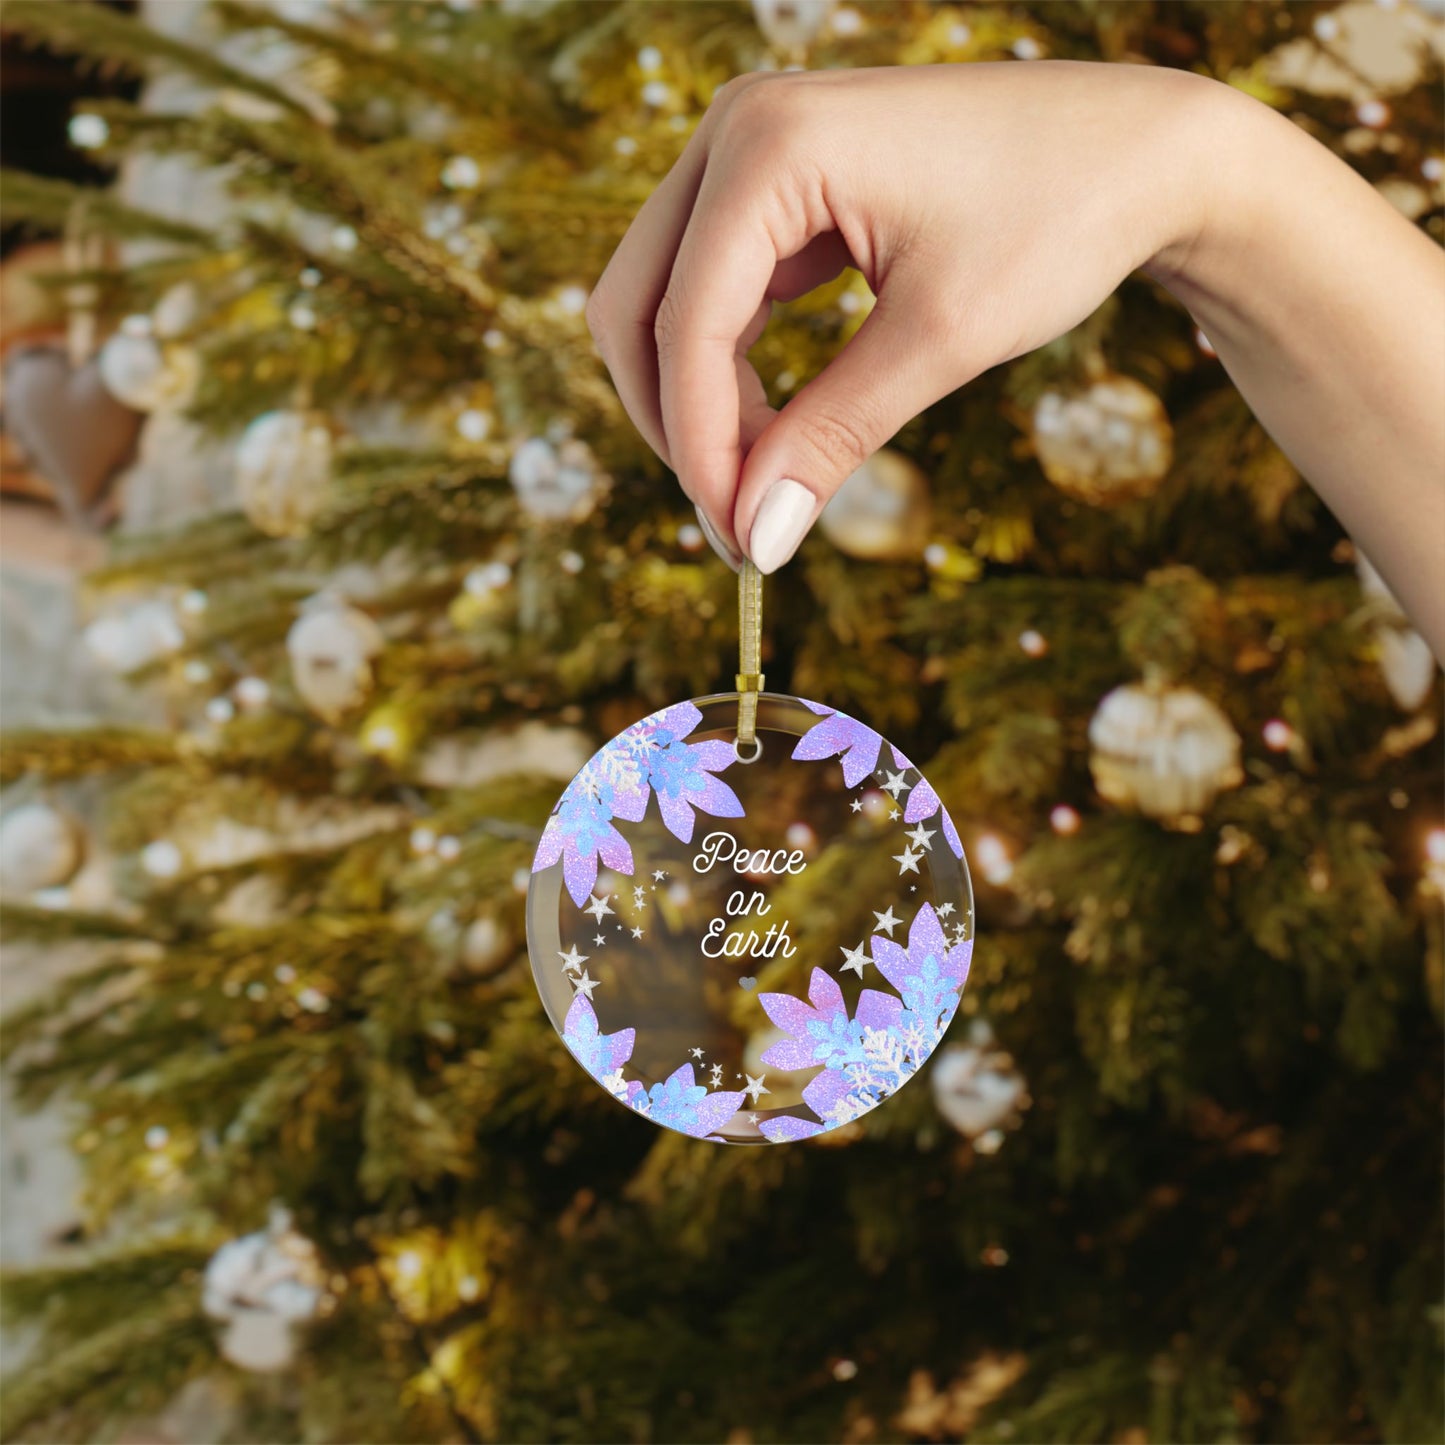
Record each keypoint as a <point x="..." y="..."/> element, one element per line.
<point x="327" y="1126"/>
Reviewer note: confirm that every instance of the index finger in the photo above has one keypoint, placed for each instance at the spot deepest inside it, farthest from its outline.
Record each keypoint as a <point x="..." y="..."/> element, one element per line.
<point x="718" y="287"/>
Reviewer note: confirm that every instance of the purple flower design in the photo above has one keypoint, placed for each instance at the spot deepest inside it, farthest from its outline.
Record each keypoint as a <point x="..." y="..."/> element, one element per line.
<point x="650" y="756"/>
<point x="682" y="1104"/>
<point x="873" y="1054"/>
<point x="600" y="1054"/>
<point x="858" y="747"/>
<point x="840" y="736"/>
<point x="929" y="974"/>
<point x="821" y="1030"/>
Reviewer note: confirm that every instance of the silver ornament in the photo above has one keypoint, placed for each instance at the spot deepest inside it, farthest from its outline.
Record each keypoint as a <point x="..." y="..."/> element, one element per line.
<point x="135" y="636"/>
<point x="1164" y="751"/>
<point x="283" y="470"/>
<point x="792" y="25"/>
<point x="1405" y="658"/>
<point x="142" y="373"/>
<point x="881" y="512"/>
<point x="40" y="847"/>
<point x="261" y="1287"/>
<point x="976" y="1086"/>
<point x="1108" y="443"/>
<point x="555" y="481"/>
<point x="331" y="647"/>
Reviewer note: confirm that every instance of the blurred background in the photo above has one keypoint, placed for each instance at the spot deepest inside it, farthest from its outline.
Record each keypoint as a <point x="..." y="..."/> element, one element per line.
<point x="329" y="556"/>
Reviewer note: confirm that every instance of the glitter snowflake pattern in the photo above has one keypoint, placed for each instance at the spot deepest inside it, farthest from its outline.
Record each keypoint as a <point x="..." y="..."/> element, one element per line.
<point x="871" y="1055"/>
<point x="857" y="747"/>
<point x="679" y="1102"/>
<point x="650" y="758"/>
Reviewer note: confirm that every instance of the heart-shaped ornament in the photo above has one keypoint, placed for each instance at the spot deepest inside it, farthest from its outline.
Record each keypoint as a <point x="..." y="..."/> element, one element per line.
<point x="77" y="435"/>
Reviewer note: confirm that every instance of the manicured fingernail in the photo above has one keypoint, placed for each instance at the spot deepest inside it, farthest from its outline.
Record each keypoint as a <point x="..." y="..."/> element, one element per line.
<point x="715" y="541"/>
<point x="781" y="524"/>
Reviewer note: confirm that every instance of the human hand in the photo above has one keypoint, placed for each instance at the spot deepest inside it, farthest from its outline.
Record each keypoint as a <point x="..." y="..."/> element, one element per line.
<point x="989" y="207"/>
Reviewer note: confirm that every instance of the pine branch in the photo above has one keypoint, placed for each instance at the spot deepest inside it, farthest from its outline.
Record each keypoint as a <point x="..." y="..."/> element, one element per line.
<point x="51" y="204"/>
<point x="82" y="752"/>
<point x="116" y="40"/>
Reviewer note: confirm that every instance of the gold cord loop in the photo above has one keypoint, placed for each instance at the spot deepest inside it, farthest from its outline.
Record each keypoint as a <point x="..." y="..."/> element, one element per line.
<point x="750" y="657"/>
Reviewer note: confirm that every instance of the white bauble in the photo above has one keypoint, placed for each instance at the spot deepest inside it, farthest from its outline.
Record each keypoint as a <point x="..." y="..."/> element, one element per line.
<point x="976" y="1088"/>
<point x="792" y="25"/>
<point x="881" y="512"/>
<point x="283" y="470"/>
<point x="1165" y="751"/>
<point x="40" y="847"/>
<point x="555" y="482"/>
<point x="1405" y="658"/>
<point x="176" y="312"/>
<point x="1108" y="443"/>
<point x="258" y="1341"/>
<point x="136" y="636"/>
<point x="331" y="647"/>
<point x="486" y="946"/>
<point x="261" y="1286"/>
<point x="139" y="372"/>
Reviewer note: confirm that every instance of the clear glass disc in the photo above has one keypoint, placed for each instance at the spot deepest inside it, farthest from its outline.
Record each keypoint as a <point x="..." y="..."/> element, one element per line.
<point x="750" y="951"/>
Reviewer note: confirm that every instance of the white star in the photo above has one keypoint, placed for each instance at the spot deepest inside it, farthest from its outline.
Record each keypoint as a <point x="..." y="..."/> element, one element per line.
<point x="894" y="816"/>
<point x="752" y="1118"/>
<point x="856" y="959"/>
<point x="614" y="1083"/>
<point x="584" y="984"/>
<point x="895" y="784"/>
<point x="919" y="836"/>
<point x="886" y="921"/>
<point x="856" y="805"/>
<point x="755" y="1087"/>
<point x="907" y="860"/>
<point x="658" y="876"/>
<point x="600" y="939"/>
<point x="598" y="906"/>
<point x="944" y="909"/>
<point x="696" y="1053"/>
<point x="637" y="933"/>
<point x="572" y="959"/>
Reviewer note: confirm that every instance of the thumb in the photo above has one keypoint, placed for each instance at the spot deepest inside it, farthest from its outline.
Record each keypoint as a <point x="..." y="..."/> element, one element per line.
<point x="900" y="361"/>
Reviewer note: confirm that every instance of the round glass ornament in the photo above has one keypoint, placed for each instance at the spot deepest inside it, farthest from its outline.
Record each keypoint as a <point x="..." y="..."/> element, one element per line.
<point x="750" y="943"/>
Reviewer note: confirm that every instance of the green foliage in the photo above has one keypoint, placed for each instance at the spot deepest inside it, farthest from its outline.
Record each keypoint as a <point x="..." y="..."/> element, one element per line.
<point x="1221" y="1218"/>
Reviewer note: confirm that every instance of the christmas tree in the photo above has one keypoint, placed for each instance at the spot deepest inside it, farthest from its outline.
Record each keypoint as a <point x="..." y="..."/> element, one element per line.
<point x="1177" y="1176"/>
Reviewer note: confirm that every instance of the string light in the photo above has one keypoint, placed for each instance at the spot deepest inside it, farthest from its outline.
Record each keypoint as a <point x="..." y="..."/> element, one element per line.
<point x="1064" y="820"/>
<point x="993" y="859"/>
<point x="423" y="840"/>
<point x="253" y="692"/>
<point x="1033" y="642"/>
<point x="161" y="859"/>
<point x="474" y="425"/>
<point x="88" y="132"/>
<point x="1278" y="735"/>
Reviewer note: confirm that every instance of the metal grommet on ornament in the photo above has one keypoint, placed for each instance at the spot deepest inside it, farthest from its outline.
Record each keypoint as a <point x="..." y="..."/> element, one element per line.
<point x="779" y="943"/>
<point x="755" y="750"/>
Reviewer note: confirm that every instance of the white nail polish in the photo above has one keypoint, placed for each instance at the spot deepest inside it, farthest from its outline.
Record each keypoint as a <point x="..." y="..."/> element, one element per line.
<point x="715" y="541"/>
<point x="781" y="524"/>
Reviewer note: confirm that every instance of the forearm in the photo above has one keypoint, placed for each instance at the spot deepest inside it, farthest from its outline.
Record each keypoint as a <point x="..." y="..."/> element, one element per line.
<point x="1327" y="309"/>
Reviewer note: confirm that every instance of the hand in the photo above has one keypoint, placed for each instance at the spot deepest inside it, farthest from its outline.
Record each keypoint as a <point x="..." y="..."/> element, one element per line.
<point x="989" y="207"/>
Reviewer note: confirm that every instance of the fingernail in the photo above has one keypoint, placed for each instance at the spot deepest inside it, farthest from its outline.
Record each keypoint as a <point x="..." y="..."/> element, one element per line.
<point x="715" y="541"/>
<point x="781" y="524"/>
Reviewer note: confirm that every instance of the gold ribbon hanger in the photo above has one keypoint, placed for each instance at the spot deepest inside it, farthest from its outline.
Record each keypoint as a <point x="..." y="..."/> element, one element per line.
<point x="750" y="661"/>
